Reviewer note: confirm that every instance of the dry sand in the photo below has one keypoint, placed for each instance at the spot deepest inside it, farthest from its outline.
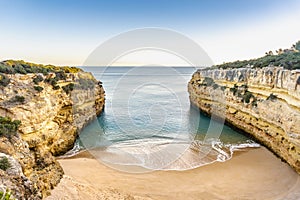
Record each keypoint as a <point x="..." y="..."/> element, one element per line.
<point x="249" y="175"/>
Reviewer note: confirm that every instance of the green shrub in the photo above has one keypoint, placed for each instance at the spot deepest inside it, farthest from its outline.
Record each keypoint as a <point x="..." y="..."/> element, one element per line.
<point x="6" y="69"/>
<point x="60" y="76"/>
<point x="38" y="79"/>
<point x="6" y="195"/>
<point x="8" y="127"/>
<point x="223" y="88"/>
<point x="38" y="88"/>
<point x="51" y="81"/>
<point x="208" y="81"/>
<point x="55" y="87"/>
<point x="4" y="81"/>
<point x="288" y="60"/>
<point x="247" y="96"/>
<point x="68" y="88"/>
<point x="19" y="66"/>
<point x="4" y="163"/>
<point x="245" y="86"/>
<point x="17" y="99"/>
<point x="272" y="97"/>
<point x="215" y="86"/>
<point x="234" y="89"/>
<point x="254" y="103"/>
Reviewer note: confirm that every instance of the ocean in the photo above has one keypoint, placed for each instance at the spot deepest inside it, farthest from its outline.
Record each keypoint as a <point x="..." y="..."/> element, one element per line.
<point x="148" y="122"/>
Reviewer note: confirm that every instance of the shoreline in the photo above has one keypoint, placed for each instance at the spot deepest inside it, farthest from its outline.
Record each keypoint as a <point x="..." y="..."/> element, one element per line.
<point x="252" y="174"/>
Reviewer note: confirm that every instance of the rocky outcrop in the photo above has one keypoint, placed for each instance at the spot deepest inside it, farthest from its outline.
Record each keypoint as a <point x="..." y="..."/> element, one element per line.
<point x="51" y="118"/>
<point x="265" y="103"/>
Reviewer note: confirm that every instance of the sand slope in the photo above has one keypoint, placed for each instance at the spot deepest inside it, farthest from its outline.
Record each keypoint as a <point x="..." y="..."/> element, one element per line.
<point x="253" y="174"/>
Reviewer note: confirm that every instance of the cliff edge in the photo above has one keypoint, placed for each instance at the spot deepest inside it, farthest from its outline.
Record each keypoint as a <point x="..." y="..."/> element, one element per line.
<point x="42" y="109"/>
<point x="264" y="102"/>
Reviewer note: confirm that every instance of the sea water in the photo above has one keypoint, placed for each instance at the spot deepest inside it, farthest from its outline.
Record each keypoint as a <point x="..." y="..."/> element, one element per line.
<point x="148" y="122"/>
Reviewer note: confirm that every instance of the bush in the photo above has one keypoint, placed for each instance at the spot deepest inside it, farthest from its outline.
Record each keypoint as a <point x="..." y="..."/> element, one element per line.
<point x="6" y="69"/>
<point x="4" y="81"/>
<point x="51" y="81"/>
<point x="223" y="88"/>
<point x="55" y="87"/>
<point x="19" y="66"/>
<point x="215" y="86"/>
<point x="234" y="89"/>
<point x="288" y="60"/>
<point x="5" y="195"/>
<point x="4" y="163"/>
<point x="8" y="127"/>
<point x="18" y="99"/>
<point x="68" y="88"/>
<point x="60" y="76"/>
<point x="38" y="88"/>
<point x="208" y="81"/>
<point x="19" y="69"/>
<point x="38" y="79"/>
<point x="272" y="97"/>
<point x="247" y="96"/>
<point x="254" y="103"/>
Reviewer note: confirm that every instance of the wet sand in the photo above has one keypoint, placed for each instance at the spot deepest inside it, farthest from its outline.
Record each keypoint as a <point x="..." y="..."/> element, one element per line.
<point x="251" y="174"/>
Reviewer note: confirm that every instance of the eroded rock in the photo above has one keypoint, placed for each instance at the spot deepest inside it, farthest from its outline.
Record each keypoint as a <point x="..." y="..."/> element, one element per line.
<point x="262" y="102"/>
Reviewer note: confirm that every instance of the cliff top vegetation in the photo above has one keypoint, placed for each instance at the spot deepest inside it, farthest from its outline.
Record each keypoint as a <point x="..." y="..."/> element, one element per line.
<point x="286" y="58"/>
<point x="22" y="67"/>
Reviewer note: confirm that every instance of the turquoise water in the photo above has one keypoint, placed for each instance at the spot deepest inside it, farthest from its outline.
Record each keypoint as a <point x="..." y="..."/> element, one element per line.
<point x="148" y="122"/>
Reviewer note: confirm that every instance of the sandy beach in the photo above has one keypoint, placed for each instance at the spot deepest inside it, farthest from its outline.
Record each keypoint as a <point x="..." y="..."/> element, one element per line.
<point x="250" y="174"/>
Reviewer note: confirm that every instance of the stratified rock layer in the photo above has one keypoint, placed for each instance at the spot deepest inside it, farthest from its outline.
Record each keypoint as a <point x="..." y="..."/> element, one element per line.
<point x="262" y="102"/>
<point x="51" y="120"/>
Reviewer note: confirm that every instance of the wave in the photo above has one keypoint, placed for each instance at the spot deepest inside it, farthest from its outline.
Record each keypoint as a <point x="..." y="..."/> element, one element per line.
<point x="164" y="153"/>
<point x="77" y="149"/>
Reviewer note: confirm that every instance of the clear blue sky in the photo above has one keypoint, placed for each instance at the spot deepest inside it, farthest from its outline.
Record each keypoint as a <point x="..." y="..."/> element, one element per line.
<point x="65" y="32"/>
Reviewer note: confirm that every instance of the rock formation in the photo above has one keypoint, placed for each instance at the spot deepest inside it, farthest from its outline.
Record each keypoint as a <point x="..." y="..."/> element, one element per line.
<point x="263" y="102"/>
<point x="51" y="117"/>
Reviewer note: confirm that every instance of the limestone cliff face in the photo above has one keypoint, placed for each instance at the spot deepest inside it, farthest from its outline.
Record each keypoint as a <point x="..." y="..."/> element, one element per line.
<point x="263" y="102"/>
<point x="50" y="122"/>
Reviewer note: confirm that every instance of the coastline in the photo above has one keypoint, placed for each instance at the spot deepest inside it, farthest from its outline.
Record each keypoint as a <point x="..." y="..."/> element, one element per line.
<point x="255" y="104"/>
<point x="251" y="174"/>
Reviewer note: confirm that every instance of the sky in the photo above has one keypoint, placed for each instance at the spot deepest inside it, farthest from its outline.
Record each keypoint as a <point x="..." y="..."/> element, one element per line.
<point x="65" y="32"/>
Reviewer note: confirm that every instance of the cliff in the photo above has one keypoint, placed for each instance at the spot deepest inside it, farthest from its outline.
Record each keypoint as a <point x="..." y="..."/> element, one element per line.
<point x="52" y="107"/>
<point x="264" y="102"/>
